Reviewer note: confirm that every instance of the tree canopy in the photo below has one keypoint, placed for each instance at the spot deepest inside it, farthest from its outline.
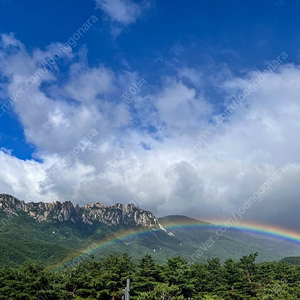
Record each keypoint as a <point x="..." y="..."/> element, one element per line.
<point x="175" y="280"/>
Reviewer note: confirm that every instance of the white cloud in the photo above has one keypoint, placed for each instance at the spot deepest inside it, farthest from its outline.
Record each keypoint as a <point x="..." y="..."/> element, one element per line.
<point x="122" y="11"/>
<point x="19" y="178"/>
<point x="218" y="175"/>
<point x="10" y="40"/>
<point x="194" y="76"/>
<point x="86" y="84"/>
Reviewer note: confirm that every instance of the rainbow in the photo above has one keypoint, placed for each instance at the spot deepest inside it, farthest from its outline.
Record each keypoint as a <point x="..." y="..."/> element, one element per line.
<point x="217" y="226"/>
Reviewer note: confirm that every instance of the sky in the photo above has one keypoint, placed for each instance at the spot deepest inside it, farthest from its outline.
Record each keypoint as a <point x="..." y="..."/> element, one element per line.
<point x="178" y="107"/>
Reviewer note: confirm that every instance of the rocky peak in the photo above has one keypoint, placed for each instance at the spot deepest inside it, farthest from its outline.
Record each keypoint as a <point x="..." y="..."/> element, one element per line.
<point x="10" y="204"/>
<point x="90" y="213"/>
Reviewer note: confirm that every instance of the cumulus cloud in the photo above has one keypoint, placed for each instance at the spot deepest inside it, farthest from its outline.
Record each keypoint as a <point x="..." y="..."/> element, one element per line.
<point x="18" y="177"/>
<point x="85" y="83"/>
<point x="10" y="40"/>
<point x="124" y="12"/>
<point x="142" y="147"/>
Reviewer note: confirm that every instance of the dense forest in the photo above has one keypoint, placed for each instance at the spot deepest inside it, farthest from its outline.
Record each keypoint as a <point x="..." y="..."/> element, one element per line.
<point x="176" y="279"/>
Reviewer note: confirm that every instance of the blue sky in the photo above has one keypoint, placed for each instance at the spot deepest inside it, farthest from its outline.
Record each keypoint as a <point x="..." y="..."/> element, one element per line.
<point x="181" y="64"/>
<point x="168" y="36"/>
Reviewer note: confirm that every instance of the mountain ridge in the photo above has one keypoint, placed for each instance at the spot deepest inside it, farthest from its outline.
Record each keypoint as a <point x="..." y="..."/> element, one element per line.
<point x="89" y="213"/>
<point x="50" y="232"/>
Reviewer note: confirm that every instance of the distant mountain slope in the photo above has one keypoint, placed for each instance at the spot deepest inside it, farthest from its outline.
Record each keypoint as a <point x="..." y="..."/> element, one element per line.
<point x="180" y="219"/>
<point x="233" y="243"/>
<point x="292" y="260"/>
<point x="55" y="232"/>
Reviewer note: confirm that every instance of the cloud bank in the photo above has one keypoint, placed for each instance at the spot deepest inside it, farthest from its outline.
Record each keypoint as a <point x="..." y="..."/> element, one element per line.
<point x="140" y="147"/>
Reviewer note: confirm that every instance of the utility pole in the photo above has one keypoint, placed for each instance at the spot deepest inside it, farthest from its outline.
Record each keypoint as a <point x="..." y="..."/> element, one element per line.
<point x="126" y="291"/>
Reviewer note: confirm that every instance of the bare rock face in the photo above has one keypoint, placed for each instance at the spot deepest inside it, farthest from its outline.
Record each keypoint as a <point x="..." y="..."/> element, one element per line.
<point x="56" y="211"/>
<point x="117" y="214"/>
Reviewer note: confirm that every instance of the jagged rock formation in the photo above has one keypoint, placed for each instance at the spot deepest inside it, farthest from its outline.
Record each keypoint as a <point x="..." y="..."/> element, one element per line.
<point x="90" y="213"/>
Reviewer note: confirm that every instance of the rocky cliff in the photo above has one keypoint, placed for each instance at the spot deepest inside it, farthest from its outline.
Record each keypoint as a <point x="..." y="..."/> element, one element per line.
<point x="90" y="213"/>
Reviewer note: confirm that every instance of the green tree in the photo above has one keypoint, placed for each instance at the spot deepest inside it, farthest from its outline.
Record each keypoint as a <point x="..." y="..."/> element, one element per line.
<point x="198" y="275"/>
<point x="146" y="276"/>
<point x="232" y="276"/>
<point x="84" y="281"/>
<point x="29" y="281"/>
<point x="248" y="273"/>
<point x="215" y="276"/>
<point x="116" y="270"/>
<point x="162" y="291"/>
<point x="176" y="273"/>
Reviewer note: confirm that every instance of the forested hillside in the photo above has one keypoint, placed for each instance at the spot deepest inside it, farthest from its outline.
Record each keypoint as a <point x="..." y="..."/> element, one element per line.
<point x="174" y="280"/>
<point x="53" y="232"/>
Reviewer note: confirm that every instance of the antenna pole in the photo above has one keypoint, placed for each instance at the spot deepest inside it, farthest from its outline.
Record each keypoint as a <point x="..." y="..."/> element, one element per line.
<point x="126" y="291"/>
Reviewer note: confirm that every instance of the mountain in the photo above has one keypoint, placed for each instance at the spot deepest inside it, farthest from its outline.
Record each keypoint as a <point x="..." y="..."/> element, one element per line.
<point x="55" y="232"/>
<point x="90" y="213"/>
<point x="51" y="232"/>
<point x="292" y="260"/>
<point x="233" y="243"/>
